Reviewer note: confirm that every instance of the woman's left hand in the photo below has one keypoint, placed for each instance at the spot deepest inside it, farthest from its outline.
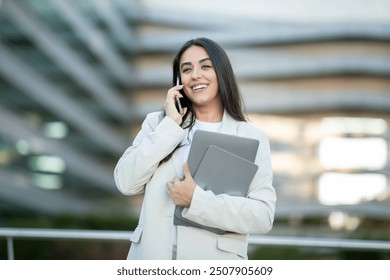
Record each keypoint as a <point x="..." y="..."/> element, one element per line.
<point x="181" y="191"/>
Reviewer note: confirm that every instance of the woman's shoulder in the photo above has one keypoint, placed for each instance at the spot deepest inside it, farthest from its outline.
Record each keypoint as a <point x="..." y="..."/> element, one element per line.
<point x="154" y="118"/>
<point x="157" y="115"/>
<point x="249" y="129"/>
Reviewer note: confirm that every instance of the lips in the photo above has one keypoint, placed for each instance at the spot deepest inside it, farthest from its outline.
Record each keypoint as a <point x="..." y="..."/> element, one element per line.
<point x="198" y="87"/>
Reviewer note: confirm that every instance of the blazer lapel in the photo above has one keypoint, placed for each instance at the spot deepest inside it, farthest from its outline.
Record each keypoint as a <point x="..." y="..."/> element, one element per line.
<point x="177" y="160"/>
<point x="177" y="157"/>
<point x="229" y="125"/>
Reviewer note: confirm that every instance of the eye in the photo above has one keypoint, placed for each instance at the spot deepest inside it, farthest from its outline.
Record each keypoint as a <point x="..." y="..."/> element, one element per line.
<point x="186" y="70"/>
<point x="206" y="66"/>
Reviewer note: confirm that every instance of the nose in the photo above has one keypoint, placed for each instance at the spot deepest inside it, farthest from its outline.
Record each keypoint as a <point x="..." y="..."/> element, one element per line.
<point x="195" y="73"/>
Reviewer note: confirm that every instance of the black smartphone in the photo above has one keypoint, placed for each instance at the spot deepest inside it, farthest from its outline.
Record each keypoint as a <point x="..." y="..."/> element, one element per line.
<point x="183" y="101"/>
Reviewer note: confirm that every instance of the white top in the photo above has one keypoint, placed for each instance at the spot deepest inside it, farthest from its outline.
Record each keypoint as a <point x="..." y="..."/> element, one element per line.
<point x="209" y="126"/>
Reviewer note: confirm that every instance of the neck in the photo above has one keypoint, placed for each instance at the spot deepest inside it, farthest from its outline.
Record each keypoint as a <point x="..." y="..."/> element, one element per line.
<point x="208" y="115"/>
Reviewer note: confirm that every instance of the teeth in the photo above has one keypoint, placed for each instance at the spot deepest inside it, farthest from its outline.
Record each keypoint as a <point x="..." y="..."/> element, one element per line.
<point x="198" y="87"/>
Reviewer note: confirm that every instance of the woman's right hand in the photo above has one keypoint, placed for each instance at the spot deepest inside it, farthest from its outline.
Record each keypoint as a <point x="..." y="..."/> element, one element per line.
<point x="170" y="106"/>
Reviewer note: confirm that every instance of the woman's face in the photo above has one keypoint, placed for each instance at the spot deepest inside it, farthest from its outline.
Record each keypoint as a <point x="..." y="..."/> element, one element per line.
<point x="199" y="78"/>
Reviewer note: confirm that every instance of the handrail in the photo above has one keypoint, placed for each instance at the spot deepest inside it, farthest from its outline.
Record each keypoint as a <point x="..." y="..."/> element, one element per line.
<point x="113" y="235"/>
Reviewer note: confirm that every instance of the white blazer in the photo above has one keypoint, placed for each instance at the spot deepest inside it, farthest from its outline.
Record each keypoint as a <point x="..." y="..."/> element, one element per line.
<point x="138" y="171"/>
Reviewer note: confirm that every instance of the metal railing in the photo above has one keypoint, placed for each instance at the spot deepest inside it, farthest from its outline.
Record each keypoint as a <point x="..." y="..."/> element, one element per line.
<point x="106" y="235"/>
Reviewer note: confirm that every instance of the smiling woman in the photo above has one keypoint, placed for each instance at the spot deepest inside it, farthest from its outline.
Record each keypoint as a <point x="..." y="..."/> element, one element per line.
<point x="156" y="165"/>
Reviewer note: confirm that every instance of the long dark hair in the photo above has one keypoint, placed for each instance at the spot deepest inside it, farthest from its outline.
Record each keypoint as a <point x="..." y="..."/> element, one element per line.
<point x="228" y="90"/>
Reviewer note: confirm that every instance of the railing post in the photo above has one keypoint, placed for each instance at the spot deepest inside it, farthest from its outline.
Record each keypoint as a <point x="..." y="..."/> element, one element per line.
<point x="10" y="248"/>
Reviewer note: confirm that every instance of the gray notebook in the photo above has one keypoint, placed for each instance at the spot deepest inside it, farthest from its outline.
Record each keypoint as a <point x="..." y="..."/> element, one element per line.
<point x="223" y="172"/>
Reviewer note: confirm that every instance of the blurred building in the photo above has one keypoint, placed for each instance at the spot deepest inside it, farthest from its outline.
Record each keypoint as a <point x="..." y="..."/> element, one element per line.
<point x="78" y="77"/>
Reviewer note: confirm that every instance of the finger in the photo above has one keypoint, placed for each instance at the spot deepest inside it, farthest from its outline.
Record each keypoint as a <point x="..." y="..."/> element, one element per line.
<point x="184" y="111"/>
<point x="175" y="90"/>
<point x="186" y="169"/>
<point x="176" y="179"/>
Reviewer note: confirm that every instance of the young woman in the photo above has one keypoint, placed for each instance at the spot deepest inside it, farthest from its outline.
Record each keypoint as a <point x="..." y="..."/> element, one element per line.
<point x="155" y="165"/>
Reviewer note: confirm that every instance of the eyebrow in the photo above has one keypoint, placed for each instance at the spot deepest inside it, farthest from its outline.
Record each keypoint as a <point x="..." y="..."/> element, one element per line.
<point x="200" y="61"/>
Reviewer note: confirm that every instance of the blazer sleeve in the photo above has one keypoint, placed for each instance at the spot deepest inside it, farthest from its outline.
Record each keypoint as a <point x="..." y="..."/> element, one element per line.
<point x="251" y="214"/>
<point x="157" y="138"/>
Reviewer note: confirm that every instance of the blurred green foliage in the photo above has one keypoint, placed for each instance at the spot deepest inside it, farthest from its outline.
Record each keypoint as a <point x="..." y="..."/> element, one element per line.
<point x="36" y="249"/>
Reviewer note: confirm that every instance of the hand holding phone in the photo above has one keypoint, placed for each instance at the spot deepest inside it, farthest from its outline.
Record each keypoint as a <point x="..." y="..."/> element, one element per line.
<point x="178" y="103"/>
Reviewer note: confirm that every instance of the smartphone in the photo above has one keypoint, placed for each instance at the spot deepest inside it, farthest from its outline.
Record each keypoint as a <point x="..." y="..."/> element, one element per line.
<point x="181" y="102"/>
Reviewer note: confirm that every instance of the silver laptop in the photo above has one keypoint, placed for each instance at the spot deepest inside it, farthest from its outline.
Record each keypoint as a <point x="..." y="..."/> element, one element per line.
<point x="240" y="146"/>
